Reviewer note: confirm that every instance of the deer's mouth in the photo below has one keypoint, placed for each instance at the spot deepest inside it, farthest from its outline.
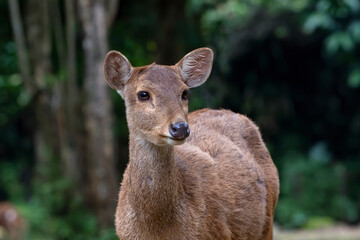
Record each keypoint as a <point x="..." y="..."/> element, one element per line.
<point x="173" y="141"/>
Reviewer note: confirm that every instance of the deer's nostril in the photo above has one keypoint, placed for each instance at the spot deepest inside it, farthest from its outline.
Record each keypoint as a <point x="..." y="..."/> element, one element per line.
<point x="173" y="129"/>
<point x="179" y="130"/>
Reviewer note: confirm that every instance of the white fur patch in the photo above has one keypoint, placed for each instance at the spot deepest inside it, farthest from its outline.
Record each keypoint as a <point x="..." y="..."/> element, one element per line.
<point x="174" y="142"/>
<point x="10" y="215"/>
<point x="120" y="93"/>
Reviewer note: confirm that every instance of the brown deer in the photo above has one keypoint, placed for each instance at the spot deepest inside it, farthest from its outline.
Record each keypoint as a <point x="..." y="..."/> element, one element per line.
<point x="11" y="221"/>
<point x="219" y="182"/>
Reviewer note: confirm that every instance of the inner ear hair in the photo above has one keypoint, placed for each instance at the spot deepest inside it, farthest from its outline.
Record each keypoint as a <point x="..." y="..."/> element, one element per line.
<point x="117" y="70"/>
<point x="195" y="67"/>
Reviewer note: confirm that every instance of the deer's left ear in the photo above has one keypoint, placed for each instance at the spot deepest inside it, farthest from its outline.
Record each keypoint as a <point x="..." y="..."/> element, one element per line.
<point x="196" y="66"/>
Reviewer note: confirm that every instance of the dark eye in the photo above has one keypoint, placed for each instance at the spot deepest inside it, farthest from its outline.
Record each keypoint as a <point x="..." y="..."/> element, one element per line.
<point x="143" y="96"/>
<point x="185" y="95"/>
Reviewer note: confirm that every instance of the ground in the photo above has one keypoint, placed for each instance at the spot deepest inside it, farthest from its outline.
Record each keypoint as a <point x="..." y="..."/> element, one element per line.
<point x="338" y="232"/>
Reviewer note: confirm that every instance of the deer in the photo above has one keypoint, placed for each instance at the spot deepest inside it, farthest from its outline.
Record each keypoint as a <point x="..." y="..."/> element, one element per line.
<point x="11" y="222"/>
<point x="199" y="176"/>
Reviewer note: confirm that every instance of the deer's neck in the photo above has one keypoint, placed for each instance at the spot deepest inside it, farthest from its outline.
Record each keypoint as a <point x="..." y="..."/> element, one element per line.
<point x="154" y="180"/>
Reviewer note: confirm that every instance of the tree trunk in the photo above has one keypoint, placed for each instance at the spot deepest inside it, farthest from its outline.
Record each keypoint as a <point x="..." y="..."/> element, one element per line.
<point x="72" y="149"/>
<point x="19" y="37"/>
<point x="170" y="40"/>
<point x="45" y="134"/>
<point x="78" y="137"/>
<point x="98" y="121"/>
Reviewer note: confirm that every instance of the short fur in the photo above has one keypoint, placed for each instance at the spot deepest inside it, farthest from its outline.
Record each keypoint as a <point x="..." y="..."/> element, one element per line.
<point x="11" y="221"/>
<point x="219" y="184"/>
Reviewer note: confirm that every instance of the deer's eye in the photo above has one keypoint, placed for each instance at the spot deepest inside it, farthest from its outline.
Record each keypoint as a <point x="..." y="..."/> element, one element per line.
<point x="143" y="96"/>
<point x="185" y="95"/>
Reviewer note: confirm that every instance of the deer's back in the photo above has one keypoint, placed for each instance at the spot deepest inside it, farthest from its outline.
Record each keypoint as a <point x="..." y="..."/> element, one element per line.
<point x="229" y="173"/>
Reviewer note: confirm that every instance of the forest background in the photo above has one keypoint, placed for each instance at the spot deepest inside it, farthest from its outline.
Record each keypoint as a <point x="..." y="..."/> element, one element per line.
<point x="293" y="66"/>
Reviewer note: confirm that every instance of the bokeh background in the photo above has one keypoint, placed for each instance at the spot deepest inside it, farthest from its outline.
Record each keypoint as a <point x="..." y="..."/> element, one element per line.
<point x="293" y="66"/>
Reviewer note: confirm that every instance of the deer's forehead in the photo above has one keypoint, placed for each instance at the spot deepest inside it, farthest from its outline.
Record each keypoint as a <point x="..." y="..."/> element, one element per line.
<point x="160" y="77"/>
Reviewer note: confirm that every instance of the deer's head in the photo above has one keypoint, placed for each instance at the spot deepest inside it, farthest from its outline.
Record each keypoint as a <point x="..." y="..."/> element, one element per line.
<point x="156" y="96"/>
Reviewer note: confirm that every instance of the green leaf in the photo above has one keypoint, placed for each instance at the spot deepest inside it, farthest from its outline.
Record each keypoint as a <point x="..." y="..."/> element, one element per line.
<point x="24" y="98"/>
<point x="319" y="153"/>
<point x="15" y="80"/>
<point x="354" y="5"/>
<point x="318" y="20"/>
<point x="339" y="40"/>
<point x="319" y="222"/>
<point x="354" y="78"/>
<point x="354" y="29"/>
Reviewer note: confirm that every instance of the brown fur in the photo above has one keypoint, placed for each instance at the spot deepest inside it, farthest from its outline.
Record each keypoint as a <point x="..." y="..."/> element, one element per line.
<point x="219" y="184"/>
<point x="11" y="221"/>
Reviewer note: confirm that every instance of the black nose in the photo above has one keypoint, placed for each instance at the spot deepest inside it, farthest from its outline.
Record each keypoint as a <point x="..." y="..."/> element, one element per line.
<point x="179" y="130"/>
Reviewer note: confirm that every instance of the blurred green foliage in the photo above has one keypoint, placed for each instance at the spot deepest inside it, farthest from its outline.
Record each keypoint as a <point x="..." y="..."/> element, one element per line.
<point x="312" y="186"/>
<point x="51" y="210"/>
<point x="292" y="66"/>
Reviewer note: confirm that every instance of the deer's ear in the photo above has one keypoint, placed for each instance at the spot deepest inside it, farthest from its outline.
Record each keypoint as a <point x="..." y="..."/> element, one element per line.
<point x="118" y="70"/>
<point x="196" y="66"/>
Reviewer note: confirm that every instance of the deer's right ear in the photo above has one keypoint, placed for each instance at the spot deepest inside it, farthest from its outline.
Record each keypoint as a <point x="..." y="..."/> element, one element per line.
<point x="118" y="70"/>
